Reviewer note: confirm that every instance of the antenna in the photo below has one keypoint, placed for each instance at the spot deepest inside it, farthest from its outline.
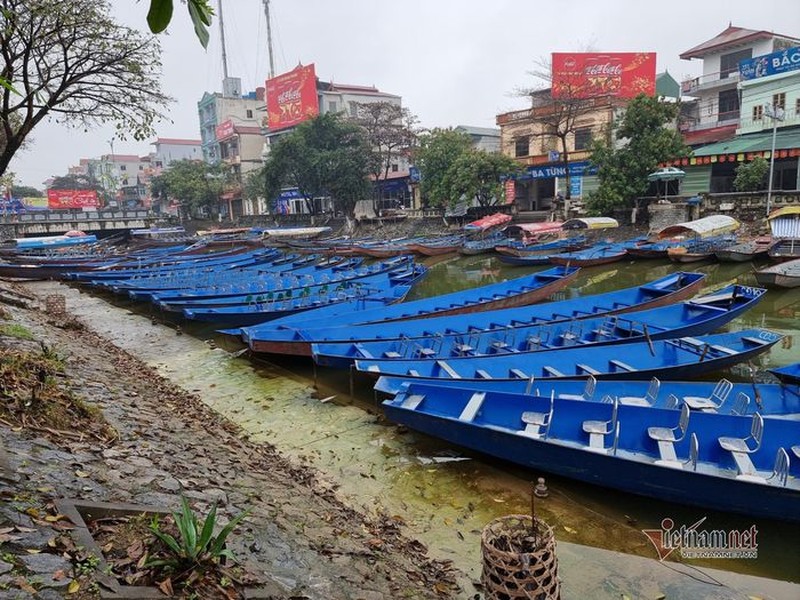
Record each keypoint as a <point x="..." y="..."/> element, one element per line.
<point x="269" y="40"/>
<point x="222" y="39"/>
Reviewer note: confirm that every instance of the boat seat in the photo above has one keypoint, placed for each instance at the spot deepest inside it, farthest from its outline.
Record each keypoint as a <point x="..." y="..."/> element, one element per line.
<point x="743" y="445"/>
<point x="363" y="352"/>
<point x="597" y="430"/>
<point x="587" y="369"/>
<point x="462" y="349"/>
<point x="392" y="354"/>
<point x="796" y="451"/>
<point x="448" y="369"/>
<point x="649" y="399"/>
<point x="780" y="472"/>
<point x="723" y="349"/>
<point x="667" y="437"/>
<point x="517" y="373"/>
<point x="718" y="396"/>
<point x="753" y="340"/>
<point x="692" y="341"/>
<point x="695" y="304"/>
<point x="535" y="421"/>
<point x="425" y="352"/>
<point x="412" y="372"/>
<point x="482" y="374"/>
<point x="620" y="366"/>
<point x="552" y="371"/>
<point x="473" y="406"/>
<point x="588" y="391"/>
<point x="413" y="401"/>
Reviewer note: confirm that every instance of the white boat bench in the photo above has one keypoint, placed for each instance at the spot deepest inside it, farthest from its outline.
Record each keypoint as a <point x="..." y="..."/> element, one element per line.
<point x="618" y="365"/>
<point x="451" y="372"/>
<point x="472" y="407"/>
<point x="481" y="374"/>
<point x="581" y="368"/>
<point x="552" y="371"/>
<point x="413" y="401"/>
<point x="516" y="373"/>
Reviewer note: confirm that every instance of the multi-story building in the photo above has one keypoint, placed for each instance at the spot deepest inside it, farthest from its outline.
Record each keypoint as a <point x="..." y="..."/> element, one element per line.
<point x="483" y="138"/>
<point x="748" y="75"/>
<point x="166" y="152"/>
<point x="124" y="177"/>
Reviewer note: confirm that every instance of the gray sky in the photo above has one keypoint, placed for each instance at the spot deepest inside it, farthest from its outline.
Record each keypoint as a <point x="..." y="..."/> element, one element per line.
<point x="454" y="62"/>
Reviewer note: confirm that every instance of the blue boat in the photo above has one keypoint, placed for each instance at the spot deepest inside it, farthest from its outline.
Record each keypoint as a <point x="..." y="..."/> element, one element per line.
<point x="722" y="396"/>
<point x="392" y="286"/>
<point x="690" y="318"/>
<point x="679" y="358"/>
<point x="788" y="374"/>
<point x="599" y="254"/>
<point x="743" y="464"/>
<point x="295" y="335"/>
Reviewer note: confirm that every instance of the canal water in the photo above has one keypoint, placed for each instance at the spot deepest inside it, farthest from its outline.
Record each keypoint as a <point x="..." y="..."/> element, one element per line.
<point x="444" y="494"/>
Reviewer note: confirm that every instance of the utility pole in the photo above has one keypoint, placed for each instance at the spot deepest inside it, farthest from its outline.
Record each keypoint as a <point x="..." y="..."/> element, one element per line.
<point x="269" y="40"/>
<point x="222" y="40"/>
<point x="776" y="113"/>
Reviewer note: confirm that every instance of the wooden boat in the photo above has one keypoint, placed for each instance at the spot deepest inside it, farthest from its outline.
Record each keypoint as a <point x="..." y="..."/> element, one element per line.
<point x="782" y="275"/>
<point x="503" y="295"/>
<point x="785" y="250"/>
<point x="518" y="248"/>
<point x="293" y="335"/>
<point x="437" y="246"/>
<point x="650" y="249"/>
<point x="781" y="400"/>
<point x="483" y="244"/>
<point x="690" y="318"/>
<point x="785" y="226"/>
<point x="745" y="251"/>
<point x="600" y="254"/>
<point x="483" y="234"/>
<point x="393" y="288"/>
<point x="720" y="462"/>
<point x="526" y="260"/>
<point x="667" y="359"/>
<point x="700" y="238"/>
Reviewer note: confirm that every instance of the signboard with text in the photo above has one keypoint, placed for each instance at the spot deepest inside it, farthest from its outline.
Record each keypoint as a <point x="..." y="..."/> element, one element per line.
<point x="292" y="97"/>
<point x="782" y="61"/>
<point x="225" y="130"/>
<point x="72" y="199"/>
<point x="592" y="74"/>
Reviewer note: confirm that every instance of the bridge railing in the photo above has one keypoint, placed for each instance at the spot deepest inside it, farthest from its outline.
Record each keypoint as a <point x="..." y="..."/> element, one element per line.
<point x="54" y="216"/>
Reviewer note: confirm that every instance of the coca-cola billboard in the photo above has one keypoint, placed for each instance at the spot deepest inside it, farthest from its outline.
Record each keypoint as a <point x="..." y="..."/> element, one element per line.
<point x="593" y="74"/>
<point x="292" y="97"/>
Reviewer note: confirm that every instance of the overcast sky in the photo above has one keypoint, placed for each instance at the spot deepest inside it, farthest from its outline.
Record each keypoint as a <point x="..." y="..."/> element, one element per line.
<point x="454" y="62"/>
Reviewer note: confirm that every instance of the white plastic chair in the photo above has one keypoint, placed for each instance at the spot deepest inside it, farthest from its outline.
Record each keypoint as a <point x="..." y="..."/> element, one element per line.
<point x="714" y="401"/>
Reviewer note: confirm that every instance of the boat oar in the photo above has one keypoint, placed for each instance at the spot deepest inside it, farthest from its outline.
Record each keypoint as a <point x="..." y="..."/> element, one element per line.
<point x="649" y="341"/>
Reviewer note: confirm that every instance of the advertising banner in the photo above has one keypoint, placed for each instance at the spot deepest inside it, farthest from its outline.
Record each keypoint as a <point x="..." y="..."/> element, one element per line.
<point x="292" y="97"/>
<point x="782" y="61"/>
<point x="225" y="130"/>
<point x="591" y="74"/>
<point x="72" y="199"/>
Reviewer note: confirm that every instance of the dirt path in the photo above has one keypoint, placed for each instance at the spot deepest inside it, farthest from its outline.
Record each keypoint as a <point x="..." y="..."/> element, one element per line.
<point x="300" y="537"/>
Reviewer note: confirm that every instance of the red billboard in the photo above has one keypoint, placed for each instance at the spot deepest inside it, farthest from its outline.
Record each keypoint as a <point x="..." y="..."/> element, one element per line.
<point x="591" y="74"/>
<point x="292" y="97"/>
<point x="72" y="199"/>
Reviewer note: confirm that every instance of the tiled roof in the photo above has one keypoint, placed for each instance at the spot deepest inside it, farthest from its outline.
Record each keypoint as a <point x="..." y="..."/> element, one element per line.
<point x="176" y="142"/>
<point x="730" y="37"/>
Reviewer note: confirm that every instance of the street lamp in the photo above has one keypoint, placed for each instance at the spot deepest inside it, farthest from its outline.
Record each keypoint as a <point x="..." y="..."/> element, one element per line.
<point x="776" y="113"/>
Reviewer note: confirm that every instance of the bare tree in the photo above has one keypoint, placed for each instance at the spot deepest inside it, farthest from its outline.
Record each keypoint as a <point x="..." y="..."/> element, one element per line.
<point x="71" y="61"/>
<point x="390" y="131"/>
<point x="560" y="114"/>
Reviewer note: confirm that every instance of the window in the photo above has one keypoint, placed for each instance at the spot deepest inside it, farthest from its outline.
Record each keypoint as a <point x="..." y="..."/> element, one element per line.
<point x="395" y="168"/>
<point x="729" y="63"/>
<point x="333" y="106"/>
<point x="249" y="114"/>
<point x="779" y="100"/>
<point x="353" y="109"/>
<point x="521" y="146"/>
<point x="758" y="112"/>
<point x="141" y="167"/>
<point x="728" y="105"/>
<point x="583" y="135"/>
<point x="797" y="107"/>
<point x="123" y="168"/>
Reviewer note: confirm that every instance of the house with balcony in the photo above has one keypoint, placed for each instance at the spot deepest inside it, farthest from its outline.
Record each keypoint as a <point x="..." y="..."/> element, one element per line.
<point x="527" y="136"/>
<point x="748" y="75"/>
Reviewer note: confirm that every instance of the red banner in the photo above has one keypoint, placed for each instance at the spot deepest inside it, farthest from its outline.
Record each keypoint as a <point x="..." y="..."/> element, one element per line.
<point x="292" y="97"/>
<point x="591" y="74"/>
<point x="72" y="199"/>
<point x="225" y="130"/>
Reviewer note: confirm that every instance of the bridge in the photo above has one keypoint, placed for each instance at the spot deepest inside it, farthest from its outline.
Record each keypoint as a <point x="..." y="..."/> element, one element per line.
<point x="56" y="222"/>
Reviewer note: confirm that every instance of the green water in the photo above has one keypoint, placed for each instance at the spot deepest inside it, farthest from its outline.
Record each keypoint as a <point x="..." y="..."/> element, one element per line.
<point x="444" y="494"/>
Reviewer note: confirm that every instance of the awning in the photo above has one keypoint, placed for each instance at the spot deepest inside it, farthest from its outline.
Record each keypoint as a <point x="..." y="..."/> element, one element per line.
<point x="785" y="222"/>
<point x="785" y="139"/>
<point x="488" y="222"/>
<point x="530" y="229"/>
<point x="705" y="227"/>
<point x="591" y="223"/>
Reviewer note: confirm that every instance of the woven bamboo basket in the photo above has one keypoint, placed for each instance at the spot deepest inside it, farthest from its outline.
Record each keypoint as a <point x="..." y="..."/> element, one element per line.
<point x="509" y="574"/>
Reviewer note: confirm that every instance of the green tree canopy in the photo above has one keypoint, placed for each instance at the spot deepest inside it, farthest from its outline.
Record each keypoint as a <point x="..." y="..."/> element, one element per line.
<point x="752" y="176"/>
<point x="71" y="61"/>
<point x="196" y="184"/>
<point x="478" y="174"/>
<point x="25" y="191"/>
<point x="438" y="151"/>
<point x="639" y="142"/>
<point x="326" y="156"/>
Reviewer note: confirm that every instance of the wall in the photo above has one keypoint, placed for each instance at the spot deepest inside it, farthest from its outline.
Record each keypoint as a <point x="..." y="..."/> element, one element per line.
<point x="759" y="92"/>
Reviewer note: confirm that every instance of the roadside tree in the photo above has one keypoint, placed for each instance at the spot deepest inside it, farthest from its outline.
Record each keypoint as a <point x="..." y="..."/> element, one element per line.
<point x="194" y="183"/>
<point x="479" y="175"/>
<point x="71" y="62"/>
<point x="641" y="139"/>
<point x="751" y="176"/>
<point x="438" y="151"/>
